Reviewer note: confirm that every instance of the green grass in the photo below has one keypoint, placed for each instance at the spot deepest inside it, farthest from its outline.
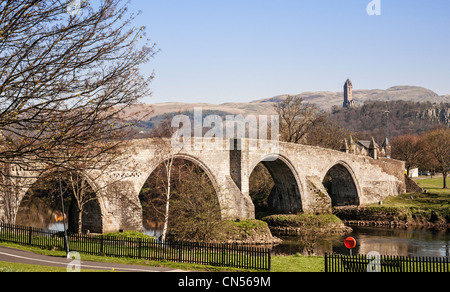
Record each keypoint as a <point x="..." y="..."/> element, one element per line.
<point x="437" y="198"/>
<point x="430" y="201"/>
<point x="418" y="205"/>
<point x="434" y="185"/>
<point x="128" y="234"/>
<point x="301" y="220"/>
<point x="6" y="267"/>
<point x="298" y="263"/>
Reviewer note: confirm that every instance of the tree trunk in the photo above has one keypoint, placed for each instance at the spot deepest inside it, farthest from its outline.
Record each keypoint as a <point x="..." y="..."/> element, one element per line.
<point x="80" y="221"/>
<point x="445" y="179"/>
<point x="166" y="214"/>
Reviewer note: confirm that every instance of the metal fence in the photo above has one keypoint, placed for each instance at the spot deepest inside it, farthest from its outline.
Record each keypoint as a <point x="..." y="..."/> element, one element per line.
<point x="223" y="255"/>
<point x="385" y="264"/>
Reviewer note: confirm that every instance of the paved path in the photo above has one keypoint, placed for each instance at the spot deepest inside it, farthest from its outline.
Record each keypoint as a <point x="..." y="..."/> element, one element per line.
<point x="24" y="257"/>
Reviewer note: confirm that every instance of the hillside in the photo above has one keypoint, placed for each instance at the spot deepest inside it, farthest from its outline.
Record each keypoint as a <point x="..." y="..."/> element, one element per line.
<point x="405" y="117"/>
<point x="413" y="109"/>
<point x="326" y="100"/>
<point x="323" y="99"/>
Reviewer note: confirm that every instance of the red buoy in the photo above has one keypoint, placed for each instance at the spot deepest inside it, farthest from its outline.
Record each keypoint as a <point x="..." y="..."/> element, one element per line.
<point x="350" y="243"/>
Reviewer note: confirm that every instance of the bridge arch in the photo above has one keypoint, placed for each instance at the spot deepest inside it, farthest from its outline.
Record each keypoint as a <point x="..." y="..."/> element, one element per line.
<point x="189" y="158"/>
<point x="285" y="197"/>
<point x="342" y="185"/>
<point x="203" y="166"/>
<point x="155" y="164"/>
<point x="93" y="209"/>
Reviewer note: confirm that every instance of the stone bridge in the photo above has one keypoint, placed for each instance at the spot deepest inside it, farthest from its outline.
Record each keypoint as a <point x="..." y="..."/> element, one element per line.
<point x="307" y="179"/>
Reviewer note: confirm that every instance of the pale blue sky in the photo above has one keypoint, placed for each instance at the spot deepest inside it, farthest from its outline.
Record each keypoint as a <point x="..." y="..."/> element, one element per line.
<point x="221" y="51"/>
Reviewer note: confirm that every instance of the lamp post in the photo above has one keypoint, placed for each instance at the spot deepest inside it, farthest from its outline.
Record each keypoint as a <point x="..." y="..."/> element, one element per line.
<point x="387" y="124"/>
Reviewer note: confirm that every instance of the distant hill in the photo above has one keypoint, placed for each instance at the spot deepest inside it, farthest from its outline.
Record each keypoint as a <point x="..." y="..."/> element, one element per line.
<point x="413" y="109"/>
<point x="325" y="100"/>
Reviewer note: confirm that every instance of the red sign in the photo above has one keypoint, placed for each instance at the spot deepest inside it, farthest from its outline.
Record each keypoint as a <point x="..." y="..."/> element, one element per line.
<point x="350" y="243"/>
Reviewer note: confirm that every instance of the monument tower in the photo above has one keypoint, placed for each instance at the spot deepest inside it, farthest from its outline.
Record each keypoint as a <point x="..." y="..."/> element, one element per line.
<point x="348" y="94"/>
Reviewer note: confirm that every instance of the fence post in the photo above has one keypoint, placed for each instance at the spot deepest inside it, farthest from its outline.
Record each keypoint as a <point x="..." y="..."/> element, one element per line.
<point x="140" y="248"/>
<point x="326" y="263"/>
<point x="101" y="244"/>
<point x="30" y="231"/>
<point x="270" y="259"/>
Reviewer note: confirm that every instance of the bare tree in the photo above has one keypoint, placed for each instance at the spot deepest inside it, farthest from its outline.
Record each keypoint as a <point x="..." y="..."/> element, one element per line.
<point x="408" y="148"/>
<point x="195" y="213"/>
<point x="295" y="118"/>
<point x="195" y="207"/>
<point x="166" y="155"/>
<point x="65" y="78"/>
<point x="65" y="81"/>
<point x="90" y="163"/>
<point x="437" y="143"/>
<point x="324" y="133"/>
<point x="10" y="187"/>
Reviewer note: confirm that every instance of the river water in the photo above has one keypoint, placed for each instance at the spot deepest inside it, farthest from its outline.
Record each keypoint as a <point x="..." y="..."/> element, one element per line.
<point x="385" y="241"/>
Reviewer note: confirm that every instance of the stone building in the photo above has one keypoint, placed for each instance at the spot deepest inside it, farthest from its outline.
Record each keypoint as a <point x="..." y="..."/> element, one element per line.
<point x="367" y="148"/>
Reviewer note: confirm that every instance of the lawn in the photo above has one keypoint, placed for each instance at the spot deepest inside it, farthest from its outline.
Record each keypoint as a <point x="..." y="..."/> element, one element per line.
<point x="6" y="267"/>
<point x="436" y="200"/>
<point x="434" y="185"/>
<point x="298" y="263"/>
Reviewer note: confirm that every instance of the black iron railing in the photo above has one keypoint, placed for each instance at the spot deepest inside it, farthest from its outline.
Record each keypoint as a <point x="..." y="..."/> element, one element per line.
<point x="383" y="264"/>
<point x="223" y="255"/>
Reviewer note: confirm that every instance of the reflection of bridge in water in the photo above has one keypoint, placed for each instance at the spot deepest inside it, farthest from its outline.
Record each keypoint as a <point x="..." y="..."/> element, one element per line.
<point x="307" y="179"/>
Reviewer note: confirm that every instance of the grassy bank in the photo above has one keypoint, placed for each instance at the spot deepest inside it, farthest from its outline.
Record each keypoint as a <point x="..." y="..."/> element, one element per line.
<point x="304" y="224"/>
<point x="298" y="263"/>
<point x="430" y="209"/>
<point x="433" y="185"/>
<point x="436" y="202"/>
<point x="246" y="232"/>
<point x="301" y="220"/>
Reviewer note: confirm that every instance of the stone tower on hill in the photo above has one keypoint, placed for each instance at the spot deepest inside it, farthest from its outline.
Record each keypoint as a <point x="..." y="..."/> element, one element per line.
<point x="348" y="94"/>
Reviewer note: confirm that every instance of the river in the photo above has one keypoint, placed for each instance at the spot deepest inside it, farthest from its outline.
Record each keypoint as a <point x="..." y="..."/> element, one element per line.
<point x="385" y="241"/>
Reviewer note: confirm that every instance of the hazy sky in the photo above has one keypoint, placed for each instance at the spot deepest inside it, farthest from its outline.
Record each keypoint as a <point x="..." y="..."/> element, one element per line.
<point x="219" y="51"/>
